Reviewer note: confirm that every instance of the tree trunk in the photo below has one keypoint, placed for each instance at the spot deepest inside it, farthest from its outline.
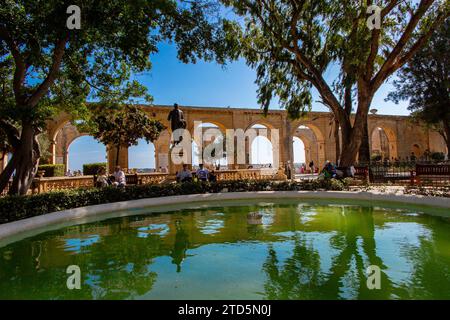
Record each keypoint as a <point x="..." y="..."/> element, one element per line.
<point x="117" y="155"/>
<point x="364" y="149"/>
<point x="352" y="143"/>
<point x="337" y="140"/>
<point x="447" y="137"/>
<point x="27" y="161"/>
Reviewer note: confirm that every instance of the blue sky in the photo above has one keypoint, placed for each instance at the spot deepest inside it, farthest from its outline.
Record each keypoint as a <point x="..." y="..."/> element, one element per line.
<point x="202" y="84"/>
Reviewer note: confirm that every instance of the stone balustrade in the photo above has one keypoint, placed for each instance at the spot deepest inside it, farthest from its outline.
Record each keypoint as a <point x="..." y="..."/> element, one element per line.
<point x="248" y="174"/>
<point x="42" y="185"/>
<point x="152" y="178"/>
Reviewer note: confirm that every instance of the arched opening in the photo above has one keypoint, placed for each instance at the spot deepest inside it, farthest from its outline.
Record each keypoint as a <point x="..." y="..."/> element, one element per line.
<point x="299" y="155"/>
<point x="308" y="147"/>
<point x="261" y="149"/>
<point x="196" y="155"/>
<point x="212" y="151"/>
<point x="379" y="145"/>
<point x="141" y="157"/>
<point x="84" y="150"/>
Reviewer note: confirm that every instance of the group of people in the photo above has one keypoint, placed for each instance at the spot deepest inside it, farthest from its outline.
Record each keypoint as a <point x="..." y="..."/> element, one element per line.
<point x="202" y="174"/>
<point x="118" y="178"/>
<point x="75" y="173"/>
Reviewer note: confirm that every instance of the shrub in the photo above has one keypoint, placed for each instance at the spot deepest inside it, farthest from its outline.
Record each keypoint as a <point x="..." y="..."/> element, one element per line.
<point x="52" y="170"/>
<point x="20" y="207"/>
<point x="438" y="156"/>
<point x="91" y="169"/>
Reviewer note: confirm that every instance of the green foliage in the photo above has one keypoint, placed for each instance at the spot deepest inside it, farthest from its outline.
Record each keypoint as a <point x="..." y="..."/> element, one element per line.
<point x="45" y="68"/>
<point x="116" y="39"/>
<point x="122" y="125"/>
<point x="52" y="170"/>
<point x="44" y="145"/>
<point x="292" y="44"/>
<point x="91" y="169"/>
<point x="425" y="83"/>
<point x="15" y="208"/>
<point x="437" y="156"/>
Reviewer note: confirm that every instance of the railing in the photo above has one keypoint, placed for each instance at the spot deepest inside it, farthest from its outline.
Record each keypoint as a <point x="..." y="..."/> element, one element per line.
<point x="431" y="175"/>
<point x="409" y="173"/>
<point x="41" y="185"/>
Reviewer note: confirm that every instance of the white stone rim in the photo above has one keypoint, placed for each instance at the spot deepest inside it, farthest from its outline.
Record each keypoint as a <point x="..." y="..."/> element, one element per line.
<point x="18" y="230"/>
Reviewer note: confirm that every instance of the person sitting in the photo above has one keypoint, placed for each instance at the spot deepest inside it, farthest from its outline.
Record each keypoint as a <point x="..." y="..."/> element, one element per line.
<point x="185" y="175"/>
<point x="212" y="176"/>
<point x="329" y="170"/>
<point x="102" y="179"/>
<point x="119" y="177"/>
<point x="202" y="173"/>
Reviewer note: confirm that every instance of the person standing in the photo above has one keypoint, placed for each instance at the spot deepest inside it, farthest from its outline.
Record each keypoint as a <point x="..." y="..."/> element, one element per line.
<point x="311" y="166"/>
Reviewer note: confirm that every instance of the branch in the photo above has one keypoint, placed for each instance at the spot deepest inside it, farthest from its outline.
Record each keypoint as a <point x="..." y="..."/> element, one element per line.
<point x="58" y="54"/>
<point x="406" y="36"/>
<point x="20" y="65"/>
<point x="11" y="132"/>
<point x="375" y="42"/>
<point x="421" y="41"/>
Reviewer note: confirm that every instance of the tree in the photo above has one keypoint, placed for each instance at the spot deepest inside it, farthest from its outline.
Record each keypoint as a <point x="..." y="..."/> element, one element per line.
<point x="48" y="68"/>
<point x="123" y="126"/>
<point x="293" y="43"/>
<point x="425" y="82"/>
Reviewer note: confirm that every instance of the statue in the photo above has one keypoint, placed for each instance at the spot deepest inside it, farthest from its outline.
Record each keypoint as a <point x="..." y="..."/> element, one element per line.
<point x="177" y="121"/>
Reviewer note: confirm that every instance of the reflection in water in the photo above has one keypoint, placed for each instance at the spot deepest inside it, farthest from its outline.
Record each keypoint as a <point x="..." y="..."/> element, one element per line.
<point x="298" y="251"/>
<point x="180" y="246"/>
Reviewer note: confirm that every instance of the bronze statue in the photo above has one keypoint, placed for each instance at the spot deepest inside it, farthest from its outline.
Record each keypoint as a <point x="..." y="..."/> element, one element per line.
<point x="176" y="118"/>
<point x="177" y="121"/>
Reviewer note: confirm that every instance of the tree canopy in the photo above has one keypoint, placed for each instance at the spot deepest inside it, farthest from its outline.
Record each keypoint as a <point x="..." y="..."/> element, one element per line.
<point x="122" y="126"/>
<point x="293" y="44"/>
<point x="47" y="67"/>
<point x="425" y="82"/>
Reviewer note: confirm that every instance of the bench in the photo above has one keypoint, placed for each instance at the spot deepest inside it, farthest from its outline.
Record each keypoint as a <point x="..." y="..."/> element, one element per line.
<point x="361" y="173"/>
<point x="440" y="173"/>
<point x="131" y="179"/>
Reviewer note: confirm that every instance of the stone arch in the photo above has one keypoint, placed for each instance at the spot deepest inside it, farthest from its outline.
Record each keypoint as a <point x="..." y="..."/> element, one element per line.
<point x="68" y="153"/>
<point x="220" y="125"/>
<point x="391" y="136"/>
<point x="200" y="143"/>
<point x="249" y="140"/>
<point x="149" y="155"/>
<point x="309" y="144"/>
<point x="316" y="140"/>
<point x="61" y="141"/>
<point x="263" y="122"/>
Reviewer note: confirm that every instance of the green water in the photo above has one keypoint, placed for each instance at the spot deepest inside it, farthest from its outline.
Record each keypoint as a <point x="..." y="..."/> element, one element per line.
<point x="296" y="251"/>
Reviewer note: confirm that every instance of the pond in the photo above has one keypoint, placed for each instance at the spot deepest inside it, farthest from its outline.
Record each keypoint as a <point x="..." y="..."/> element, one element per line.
<point x="262" y="250"/>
